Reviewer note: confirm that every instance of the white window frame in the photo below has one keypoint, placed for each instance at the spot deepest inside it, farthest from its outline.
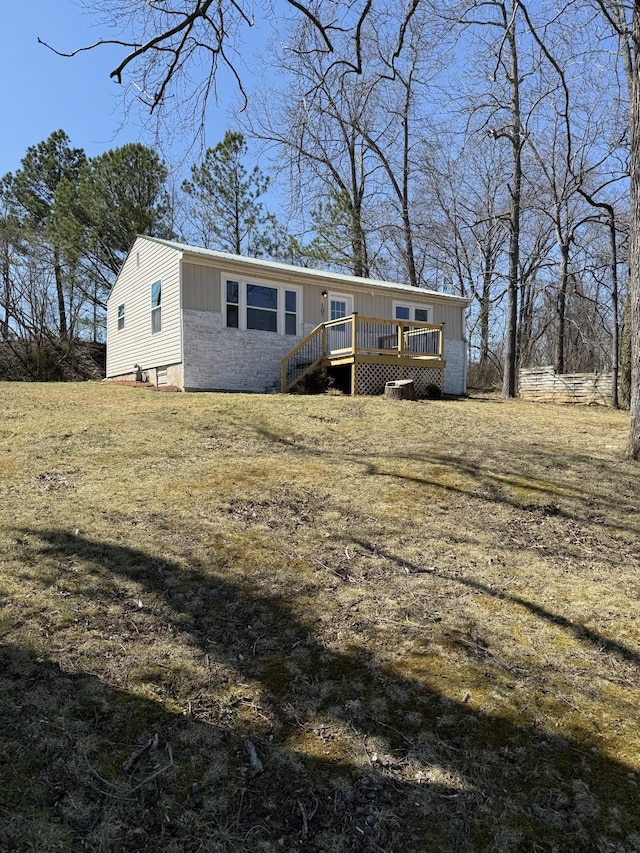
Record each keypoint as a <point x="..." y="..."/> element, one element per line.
<point x="398" y="303"/>
<point x="347" y="298"/>
<point x="121" y="317"/>
<point x="280" y="311"/>
<point x="156" y="308"/>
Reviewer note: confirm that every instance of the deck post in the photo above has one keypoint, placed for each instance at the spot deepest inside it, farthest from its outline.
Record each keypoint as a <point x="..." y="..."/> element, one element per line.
<point x="414" y="346"/>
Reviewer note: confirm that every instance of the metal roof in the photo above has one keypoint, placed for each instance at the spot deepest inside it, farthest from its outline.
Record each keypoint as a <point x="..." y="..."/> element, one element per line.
<point x="306" y="272"/>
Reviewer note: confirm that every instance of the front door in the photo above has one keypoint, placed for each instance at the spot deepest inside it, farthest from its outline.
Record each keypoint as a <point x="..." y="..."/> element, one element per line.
<point x="340" y="305"/>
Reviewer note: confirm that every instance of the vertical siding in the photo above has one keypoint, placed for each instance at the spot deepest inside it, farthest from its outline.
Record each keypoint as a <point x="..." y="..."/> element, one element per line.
<point x="135" y="344"/>
<point x="202" y="292"/>
<point x="200" y="288"/>
<point x="377" y="304"/>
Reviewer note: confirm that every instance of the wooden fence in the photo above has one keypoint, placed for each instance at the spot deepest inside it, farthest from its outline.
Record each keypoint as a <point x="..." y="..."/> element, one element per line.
<point x="543" y="384"/>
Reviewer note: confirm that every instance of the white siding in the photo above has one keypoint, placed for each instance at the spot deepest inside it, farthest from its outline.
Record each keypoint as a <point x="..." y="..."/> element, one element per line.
<point x="147" y="262"/>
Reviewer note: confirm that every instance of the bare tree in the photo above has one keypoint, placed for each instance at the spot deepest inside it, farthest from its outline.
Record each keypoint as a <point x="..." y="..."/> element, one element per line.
<point x="177" y="49"/>
<point x="624" y="21"/>
<point x="469" y="200"/>
<point x="502" y="114"/>
<point x="316" y="126"/>
<point x="609" y="220"/>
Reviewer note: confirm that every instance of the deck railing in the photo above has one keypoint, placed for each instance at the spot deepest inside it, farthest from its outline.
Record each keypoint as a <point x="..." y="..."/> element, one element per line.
<point x="362" y="336"/>
<point x="303" y="358"/>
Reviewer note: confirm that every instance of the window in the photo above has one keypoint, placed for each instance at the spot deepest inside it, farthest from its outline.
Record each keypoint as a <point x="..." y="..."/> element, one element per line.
<point x="417" y="340"/>
<point x="337" y="309"/>
<point x="262" y="308"/>
<point x="120" y="317"/>
<point x="232" y="304"/>
<point x="156" y="309"/>
<point x="413" y="313"/>
<point x="290" y="313"/>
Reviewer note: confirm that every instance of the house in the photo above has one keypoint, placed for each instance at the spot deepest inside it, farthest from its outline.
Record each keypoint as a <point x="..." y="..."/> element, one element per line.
<point x="206" y="320"/>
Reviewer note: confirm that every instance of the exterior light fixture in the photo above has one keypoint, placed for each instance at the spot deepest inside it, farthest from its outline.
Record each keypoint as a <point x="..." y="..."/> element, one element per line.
<point x="324" y="294"/>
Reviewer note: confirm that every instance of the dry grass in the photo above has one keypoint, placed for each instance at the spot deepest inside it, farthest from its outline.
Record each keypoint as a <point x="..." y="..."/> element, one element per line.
<point x="424" y="617"/>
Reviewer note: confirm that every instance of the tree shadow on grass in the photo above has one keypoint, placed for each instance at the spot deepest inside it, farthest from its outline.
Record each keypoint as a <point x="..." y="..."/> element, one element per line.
<point x="580" y="632"/>
<point x="356" y="757"/>
<point x="505" y="487"/>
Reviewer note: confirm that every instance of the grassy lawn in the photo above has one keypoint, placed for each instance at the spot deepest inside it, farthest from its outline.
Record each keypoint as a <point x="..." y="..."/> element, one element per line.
<point x="247" y="623"/>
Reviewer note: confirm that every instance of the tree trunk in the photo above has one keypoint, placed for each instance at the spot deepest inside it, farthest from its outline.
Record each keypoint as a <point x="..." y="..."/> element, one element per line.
<point x="485" y="305"/>
<point x="634" y="245"/>
<point x="525" y="329"/>
<point x="406" y="219"/>
<point x="615" y="338"/>
<point x="401" y="389"/>
<point x="6" y="292"/>
<point x="515" y="136"/>
<point x="62" y="311"/>
<point x="562" y="305"/>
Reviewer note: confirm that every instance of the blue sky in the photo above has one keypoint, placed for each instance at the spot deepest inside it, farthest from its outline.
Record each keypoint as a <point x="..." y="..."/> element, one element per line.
<point x="42" y="92"/>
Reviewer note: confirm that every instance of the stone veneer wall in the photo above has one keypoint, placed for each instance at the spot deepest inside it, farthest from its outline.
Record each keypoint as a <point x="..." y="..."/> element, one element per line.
<point x="217" y="358"/>
<point x="455" y="371"/>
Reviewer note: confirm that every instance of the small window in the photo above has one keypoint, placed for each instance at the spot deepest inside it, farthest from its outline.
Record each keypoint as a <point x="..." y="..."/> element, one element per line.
<point x="233" y="304"/>
<point x="290" y="315"/>
<point x="120" y="317"/>
<point x="337" y="309"/>
<point x="413" y="313"/>
<point x="156" y="309"/>
<point x="340" y="306"/>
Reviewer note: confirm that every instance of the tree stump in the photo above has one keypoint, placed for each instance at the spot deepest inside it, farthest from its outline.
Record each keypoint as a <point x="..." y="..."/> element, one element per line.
<point x="400" y="389"/>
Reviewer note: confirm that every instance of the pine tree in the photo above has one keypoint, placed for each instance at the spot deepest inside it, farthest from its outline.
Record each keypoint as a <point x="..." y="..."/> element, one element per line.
<point x="224" y="211"/>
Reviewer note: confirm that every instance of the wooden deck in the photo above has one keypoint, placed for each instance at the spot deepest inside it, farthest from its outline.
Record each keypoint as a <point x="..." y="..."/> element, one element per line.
<point x="359" y="340"/>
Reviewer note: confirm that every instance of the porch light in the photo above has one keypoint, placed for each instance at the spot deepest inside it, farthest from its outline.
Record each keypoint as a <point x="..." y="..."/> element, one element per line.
<point x="324" y="294"/>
